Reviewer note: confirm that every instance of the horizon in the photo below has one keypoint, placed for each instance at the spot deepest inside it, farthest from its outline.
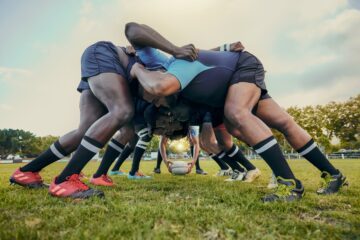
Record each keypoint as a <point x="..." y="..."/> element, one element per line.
<point x="309" y="49"/>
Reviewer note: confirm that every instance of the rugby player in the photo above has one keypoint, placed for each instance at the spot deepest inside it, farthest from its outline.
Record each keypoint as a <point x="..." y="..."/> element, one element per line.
<point x="234" y="81"/>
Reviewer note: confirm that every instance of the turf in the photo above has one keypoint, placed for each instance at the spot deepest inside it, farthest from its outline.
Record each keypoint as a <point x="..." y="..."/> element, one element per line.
<point x="182" y="207"/>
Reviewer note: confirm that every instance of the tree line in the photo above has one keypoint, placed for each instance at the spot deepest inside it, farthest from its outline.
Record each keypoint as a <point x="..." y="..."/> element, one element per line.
<point x="337" y="121"/>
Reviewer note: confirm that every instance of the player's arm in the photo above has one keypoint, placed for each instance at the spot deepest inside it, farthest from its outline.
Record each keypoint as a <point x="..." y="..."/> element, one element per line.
<point x="230" y="47"/>
<point x="194" y="138"/>
<point x="141" y="35"/>
<point x="162" y="147"/>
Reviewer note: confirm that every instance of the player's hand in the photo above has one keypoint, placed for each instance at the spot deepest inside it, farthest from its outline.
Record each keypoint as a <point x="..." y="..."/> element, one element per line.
<point x="134" y="68"/>
<point x="130" y="50"/>
<point x="187" y="52"/>
<point x="236" y="47"/>
<point x="190" y="166"/>
<point x="169" y="166"/>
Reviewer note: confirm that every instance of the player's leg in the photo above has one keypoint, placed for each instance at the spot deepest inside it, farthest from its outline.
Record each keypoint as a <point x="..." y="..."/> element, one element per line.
<point x="158" y="162"/>
<point x="129" y="148"/>
<point x="241" y="123"/>
<point x="274" y="116"/>
<point x="113" y="91"/>
<point x="145" y="137"/>
<point x="114" y="149"/>
<point x="90" y="110"/>
<point x="234" y="153"/>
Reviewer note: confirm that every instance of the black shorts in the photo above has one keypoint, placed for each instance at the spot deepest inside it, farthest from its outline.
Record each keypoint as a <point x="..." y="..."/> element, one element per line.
<point x="83" y="85"/>
<point x="250" y="69"/>
<point x="100" y="57"/>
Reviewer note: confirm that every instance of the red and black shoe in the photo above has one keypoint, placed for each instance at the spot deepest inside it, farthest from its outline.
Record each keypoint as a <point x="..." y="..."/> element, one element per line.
<point x="103" y="180"/>
<point x="27" y="179"/>
<point x="73" y="187"/>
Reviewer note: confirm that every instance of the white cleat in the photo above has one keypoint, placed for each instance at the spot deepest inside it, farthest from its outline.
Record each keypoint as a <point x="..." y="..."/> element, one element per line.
<point x="273" y="182"/>
<point x="223" y="173"/>
<point x="236" y="176"/>
<point x="252" y="175"/>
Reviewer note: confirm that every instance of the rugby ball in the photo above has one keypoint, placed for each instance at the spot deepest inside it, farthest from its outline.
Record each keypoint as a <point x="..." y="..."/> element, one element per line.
<point x="179" y="168"/>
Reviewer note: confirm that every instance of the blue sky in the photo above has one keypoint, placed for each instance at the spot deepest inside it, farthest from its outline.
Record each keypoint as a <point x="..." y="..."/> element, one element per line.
<point x="309" y="48"/>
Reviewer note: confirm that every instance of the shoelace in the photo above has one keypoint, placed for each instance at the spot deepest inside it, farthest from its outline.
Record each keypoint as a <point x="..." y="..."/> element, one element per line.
<point x="235" y="175"/>
<point x="106" y="178"/>
<point x="75" y="180"/>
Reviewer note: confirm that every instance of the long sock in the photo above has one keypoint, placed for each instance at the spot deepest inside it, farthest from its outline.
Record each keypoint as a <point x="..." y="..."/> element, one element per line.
<point x="52" y="154"/>
<point x="221" y="163"/>
<point x="138" y="153"/>
<point x="141" y="145"/>
<point x="159" y="159"/>
<point x="312" y="153"/>
<point x="270" y="151"/>
<point x="85" y="152"/>
<point x="197" y="162"/>
<point x="233" y="164"/>
<point x="123" y="156"/>
<point x="113" y="150"/>
<point x="236" y="154"/>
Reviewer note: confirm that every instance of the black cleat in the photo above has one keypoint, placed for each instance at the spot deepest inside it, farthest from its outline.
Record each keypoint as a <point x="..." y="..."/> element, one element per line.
<point x="286" y="191"/>
<point x="201" y="172"/>
<point x="157" y="170"/>
<point x="331" y="183"/>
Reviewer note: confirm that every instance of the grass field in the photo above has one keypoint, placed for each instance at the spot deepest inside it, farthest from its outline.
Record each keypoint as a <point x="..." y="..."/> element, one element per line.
<point x="182" y="207"/>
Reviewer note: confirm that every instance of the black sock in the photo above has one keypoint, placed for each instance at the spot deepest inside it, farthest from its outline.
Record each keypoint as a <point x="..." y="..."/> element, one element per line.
<point x="123" y="156"/>
<point x="52" y="154"/>
<point x="140" y="149"/>
<point x="233" y="164"/>
<point x="313" y="154"/>
<point x="197" y="162"/>
<point x="159" y="159"/>
<point x="85" y="152"/>
<point x="270" y="151"/>
<point x="113" y="150"/>
<point x="221" y="163"/>
<point x="235" y="154"/>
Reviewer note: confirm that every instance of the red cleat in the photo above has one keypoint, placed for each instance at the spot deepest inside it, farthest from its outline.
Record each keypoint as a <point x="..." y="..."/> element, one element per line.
<point x="73" y="187"/>
<point x="27" y="179"/>
<point x="103" y="180"/>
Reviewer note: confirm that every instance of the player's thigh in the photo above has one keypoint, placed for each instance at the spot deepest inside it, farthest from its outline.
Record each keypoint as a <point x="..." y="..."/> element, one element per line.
<point x="113" y="91"/>
<point x="241" y="97"/>
<point x="272" y="114"/>
<point x="91" y="109"/>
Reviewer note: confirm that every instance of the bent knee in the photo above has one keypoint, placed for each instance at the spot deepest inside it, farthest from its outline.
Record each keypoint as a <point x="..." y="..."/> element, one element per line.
<point x="122" y="115"/>
<point x="237" y="116"/>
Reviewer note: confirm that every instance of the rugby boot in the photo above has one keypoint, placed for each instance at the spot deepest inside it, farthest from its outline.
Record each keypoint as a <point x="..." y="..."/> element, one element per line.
<point x="138" y="176"/>
<point x="118" y="173"/>
<point x="221" y="173"/>
<point x="236" y="176"/>
<point x="201" y="172"/>
<point x="103" y="180"/>
<point x="73" y="187"/>
<point x="27" y="179"/>
<point x="286" y="191"/>
<point x="252" y="175"/>
<point x="157" y="170"/>
<point x="273" y="182"/>
<point x="331" y="183"/>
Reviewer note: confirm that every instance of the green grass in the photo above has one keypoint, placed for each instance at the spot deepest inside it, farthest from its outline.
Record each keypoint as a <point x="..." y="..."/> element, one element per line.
<point x="182" y="207"/>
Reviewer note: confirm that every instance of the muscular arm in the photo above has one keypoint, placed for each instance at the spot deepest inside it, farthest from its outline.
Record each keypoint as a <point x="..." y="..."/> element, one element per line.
<point x="141" y="35"/>
<point x="162" y="147"/>
<point x="155" y="82"/>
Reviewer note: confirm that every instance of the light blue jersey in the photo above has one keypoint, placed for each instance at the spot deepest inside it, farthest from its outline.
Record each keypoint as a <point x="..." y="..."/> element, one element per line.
<point x="183" y="70"/>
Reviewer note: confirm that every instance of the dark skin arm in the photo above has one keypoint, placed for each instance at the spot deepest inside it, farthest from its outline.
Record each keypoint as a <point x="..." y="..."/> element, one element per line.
<point x="141" y="35"/>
